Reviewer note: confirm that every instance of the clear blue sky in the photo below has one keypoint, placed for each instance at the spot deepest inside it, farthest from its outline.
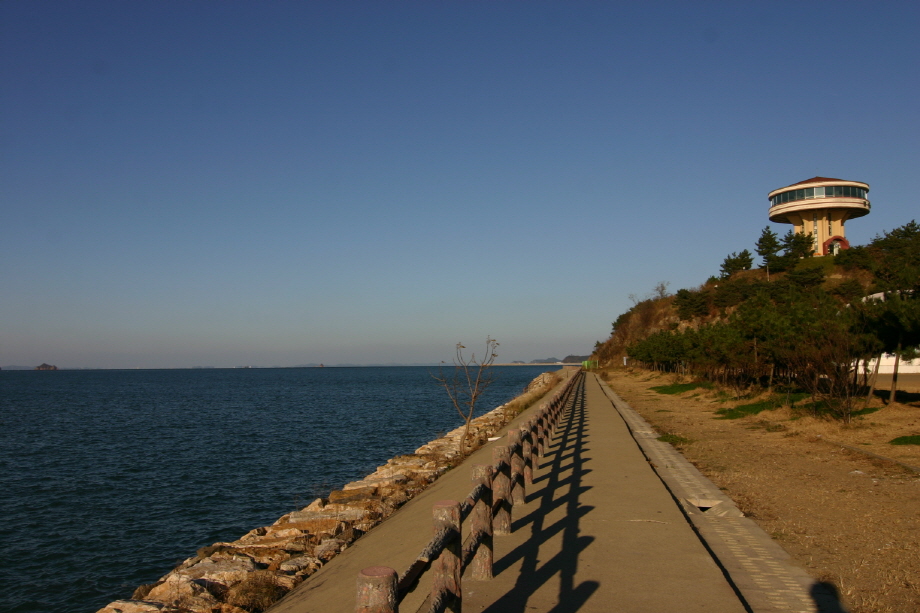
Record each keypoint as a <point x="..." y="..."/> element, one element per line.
<point x="278" y="183"/>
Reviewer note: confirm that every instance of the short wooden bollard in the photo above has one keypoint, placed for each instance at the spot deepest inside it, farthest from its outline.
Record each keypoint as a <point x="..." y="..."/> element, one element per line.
<point x="481" y="565"/>
<point x="517" y="466"/>
<point x="527" y="453"/>
<point x="501" y="492"/>
<point x="445" y="587"/>
<point x="541" y="432"/>
<point x="377" y="590"/>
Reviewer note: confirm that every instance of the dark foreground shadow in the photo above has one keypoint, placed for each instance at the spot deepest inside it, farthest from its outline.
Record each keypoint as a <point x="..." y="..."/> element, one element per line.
<point x="900" y="396"/>
<point x="558" y="491"/>
<point x="826" y="598"/>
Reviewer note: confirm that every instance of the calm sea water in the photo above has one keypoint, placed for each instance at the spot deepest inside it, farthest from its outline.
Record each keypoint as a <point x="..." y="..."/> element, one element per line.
<point x="109" y="478"/>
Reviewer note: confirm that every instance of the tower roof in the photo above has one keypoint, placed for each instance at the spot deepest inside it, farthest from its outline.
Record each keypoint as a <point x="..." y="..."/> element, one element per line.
<point x="822" y="180"/>
<point x="816" y="180"/>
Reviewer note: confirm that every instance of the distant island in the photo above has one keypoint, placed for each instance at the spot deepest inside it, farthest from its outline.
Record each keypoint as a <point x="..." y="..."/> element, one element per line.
<point x="46" y="367"/>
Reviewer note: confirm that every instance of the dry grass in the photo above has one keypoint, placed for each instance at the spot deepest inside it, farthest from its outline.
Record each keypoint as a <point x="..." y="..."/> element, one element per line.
<point x="255" y="593"/>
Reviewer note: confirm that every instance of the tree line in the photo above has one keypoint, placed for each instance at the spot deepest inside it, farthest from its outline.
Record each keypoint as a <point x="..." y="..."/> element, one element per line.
<point x="814" y="324"/>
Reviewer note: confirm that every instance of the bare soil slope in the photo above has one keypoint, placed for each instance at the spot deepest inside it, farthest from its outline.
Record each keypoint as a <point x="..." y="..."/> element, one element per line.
<point x="847" y="517"/>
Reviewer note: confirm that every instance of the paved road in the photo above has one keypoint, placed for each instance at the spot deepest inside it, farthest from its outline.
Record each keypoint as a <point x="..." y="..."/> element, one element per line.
<point x="602" y="530"/>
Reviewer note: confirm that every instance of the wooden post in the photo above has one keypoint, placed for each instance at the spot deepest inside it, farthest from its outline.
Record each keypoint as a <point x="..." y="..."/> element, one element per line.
<point x="541" y="432"/>
<point x="527" y="452"/>
<point x="445" y="585"/>
<point x="481" y="524"/>
<point x="377" y="590"/>
<point x="544" y="429"/>
<point x="501" y="491"/>
<point x="517" y="466"/>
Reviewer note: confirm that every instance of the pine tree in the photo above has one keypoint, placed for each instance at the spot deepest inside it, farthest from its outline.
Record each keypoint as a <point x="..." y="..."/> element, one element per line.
<point x="736" y="262"/>
<point x="767" y="246"/>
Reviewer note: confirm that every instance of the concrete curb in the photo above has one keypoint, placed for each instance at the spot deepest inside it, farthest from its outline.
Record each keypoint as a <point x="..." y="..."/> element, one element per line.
<point x="761" y="572"/>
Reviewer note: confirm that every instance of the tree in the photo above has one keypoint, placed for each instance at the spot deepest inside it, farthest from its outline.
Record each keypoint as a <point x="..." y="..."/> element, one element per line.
<point x="690" y="304"/>
<point x="828" y="343"/>
<point x="797" y="245"/>
<point x="896" y="323"/>
<point x="849" y="290"/>
<point x="736" y="262"/>
<point x="467" y="383"/>
<point x="806" y="277"/>
<point x="794" y="247"/>
<point x="661" y="290"/>
<point x="897" y="254"/>
<point x="767" y="247"/>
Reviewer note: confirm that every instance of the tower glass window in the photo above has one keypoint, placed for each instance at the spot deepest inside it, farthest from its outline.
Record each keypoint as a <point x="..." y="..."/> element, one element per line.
<point x="829" y="191"/>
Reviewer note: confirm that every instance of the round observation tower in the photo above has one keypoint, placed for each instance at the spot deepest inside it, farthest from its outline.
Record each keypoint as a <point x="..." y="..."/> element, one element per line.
<point x="821" y="206"/>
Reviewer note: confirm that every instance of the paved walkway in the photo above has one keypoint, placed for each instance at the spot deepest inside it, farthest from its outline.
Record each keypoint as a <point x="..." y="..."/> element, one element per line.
<point x="614" y="522"/>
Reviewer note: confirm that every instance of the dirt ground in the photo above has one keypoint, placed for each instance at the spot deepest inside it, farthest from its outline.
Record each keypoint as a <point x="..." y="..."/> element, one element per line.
<point x="846" y="517"/>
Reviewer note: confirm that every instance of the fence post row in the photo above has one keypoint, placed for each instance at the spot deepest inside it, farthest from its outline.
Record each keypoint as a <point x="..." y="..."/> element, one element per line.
<point x="505" y="484"/>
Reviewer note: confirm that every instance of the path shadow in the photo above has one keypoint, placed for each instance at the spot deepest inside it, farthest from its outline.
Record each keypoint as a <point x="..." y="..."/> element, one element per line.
<point x="557" y="492"/>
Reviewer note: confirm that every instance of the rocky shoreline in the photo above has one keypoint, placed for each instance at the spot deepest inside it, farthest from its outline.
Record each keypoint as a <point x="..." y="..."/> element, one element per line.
<point x="250" y="574"/>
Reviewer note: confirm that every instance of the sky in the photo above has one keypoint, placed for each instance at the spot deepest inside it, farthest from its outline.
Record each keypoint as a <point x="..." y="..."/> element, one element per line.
<point x="281" y="183"/>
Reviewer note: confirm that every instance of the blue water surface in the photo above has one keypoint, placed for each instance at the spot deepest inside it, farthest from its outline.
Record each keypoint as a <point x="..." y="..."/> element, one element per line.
<point x="109" y="478"/>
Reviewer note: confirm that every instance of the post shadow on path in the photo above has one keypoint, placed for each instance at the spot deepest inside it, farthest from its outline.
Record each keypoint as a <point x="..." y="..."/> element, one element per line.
<point x="568" y="447"/>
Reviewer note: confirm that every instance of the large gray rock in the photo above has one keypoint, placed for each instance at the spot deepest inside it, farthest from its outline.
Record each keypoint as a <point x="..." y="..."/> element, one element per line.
<point x="184" y="593"/>
<point x="226" y="572"/>
<point x="337" y="514"/>
<point x="329" y="548"/>
<point x="137" y="606"/>
<point x="301" y="564"/>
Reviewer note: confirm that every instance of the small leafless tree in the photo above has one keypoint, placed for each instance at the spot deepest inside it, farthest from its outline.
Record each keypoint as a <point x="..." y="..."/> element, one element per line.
<point x="467" y="382"/>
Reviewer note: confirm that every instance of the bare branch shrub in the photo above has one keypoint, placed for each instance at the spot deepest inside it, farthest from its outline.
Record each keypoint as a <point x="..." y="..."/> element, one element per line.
<point x="467" y="382"/>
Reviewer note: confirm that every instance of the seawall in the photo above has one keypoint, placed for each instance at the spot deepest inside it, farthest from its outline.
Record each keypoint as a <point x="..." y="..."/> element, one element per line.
<point x="250" y="573"/>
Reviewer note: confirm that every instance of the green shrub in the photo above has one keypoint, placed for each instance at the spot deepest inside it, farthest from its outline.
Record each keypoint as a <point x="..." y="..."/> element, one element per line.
<point x="905" y="440"/>
<point x="743" y="410"/>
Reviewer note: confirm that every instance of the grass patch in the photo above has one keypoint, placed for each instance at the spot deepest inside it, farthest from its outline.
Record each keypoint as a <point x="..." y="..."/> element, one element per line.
<point x="675" y="388"/>
<point x="743" y="410"/>
<point x="673" y="439"/>
<point x="903" y="440"/>
<point x="865" y="411"/>
<point x="816" y="408"/>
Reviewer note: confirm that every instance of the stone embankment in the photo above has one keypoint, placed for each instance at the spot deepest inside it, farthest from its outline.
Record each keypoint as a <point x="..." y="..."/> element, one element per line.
<point x="249" y="574"/>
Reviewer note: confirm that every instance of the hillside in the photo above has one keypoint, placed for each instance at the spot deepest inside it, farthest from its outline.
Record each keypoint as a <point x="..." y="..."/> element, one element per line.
<point x="805" y="325"/>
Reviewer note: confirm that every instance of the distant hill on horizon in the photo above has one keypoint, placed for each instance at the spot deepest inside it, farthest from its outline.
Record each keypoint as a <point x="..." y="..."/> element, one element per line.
<point x="569" y="359"/>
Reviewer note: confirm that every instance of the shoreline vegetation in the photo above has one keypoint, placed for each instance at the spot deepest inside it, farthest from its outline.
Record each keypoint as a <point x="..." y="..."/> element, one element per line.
<point x="255" y="571"/>
<point x="818" y="326"/>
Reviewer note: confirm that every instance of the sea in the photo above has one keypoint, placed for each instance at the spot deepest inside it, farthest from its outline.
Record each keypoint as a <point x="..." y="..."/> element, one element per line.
<point x="109" y="478"/>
